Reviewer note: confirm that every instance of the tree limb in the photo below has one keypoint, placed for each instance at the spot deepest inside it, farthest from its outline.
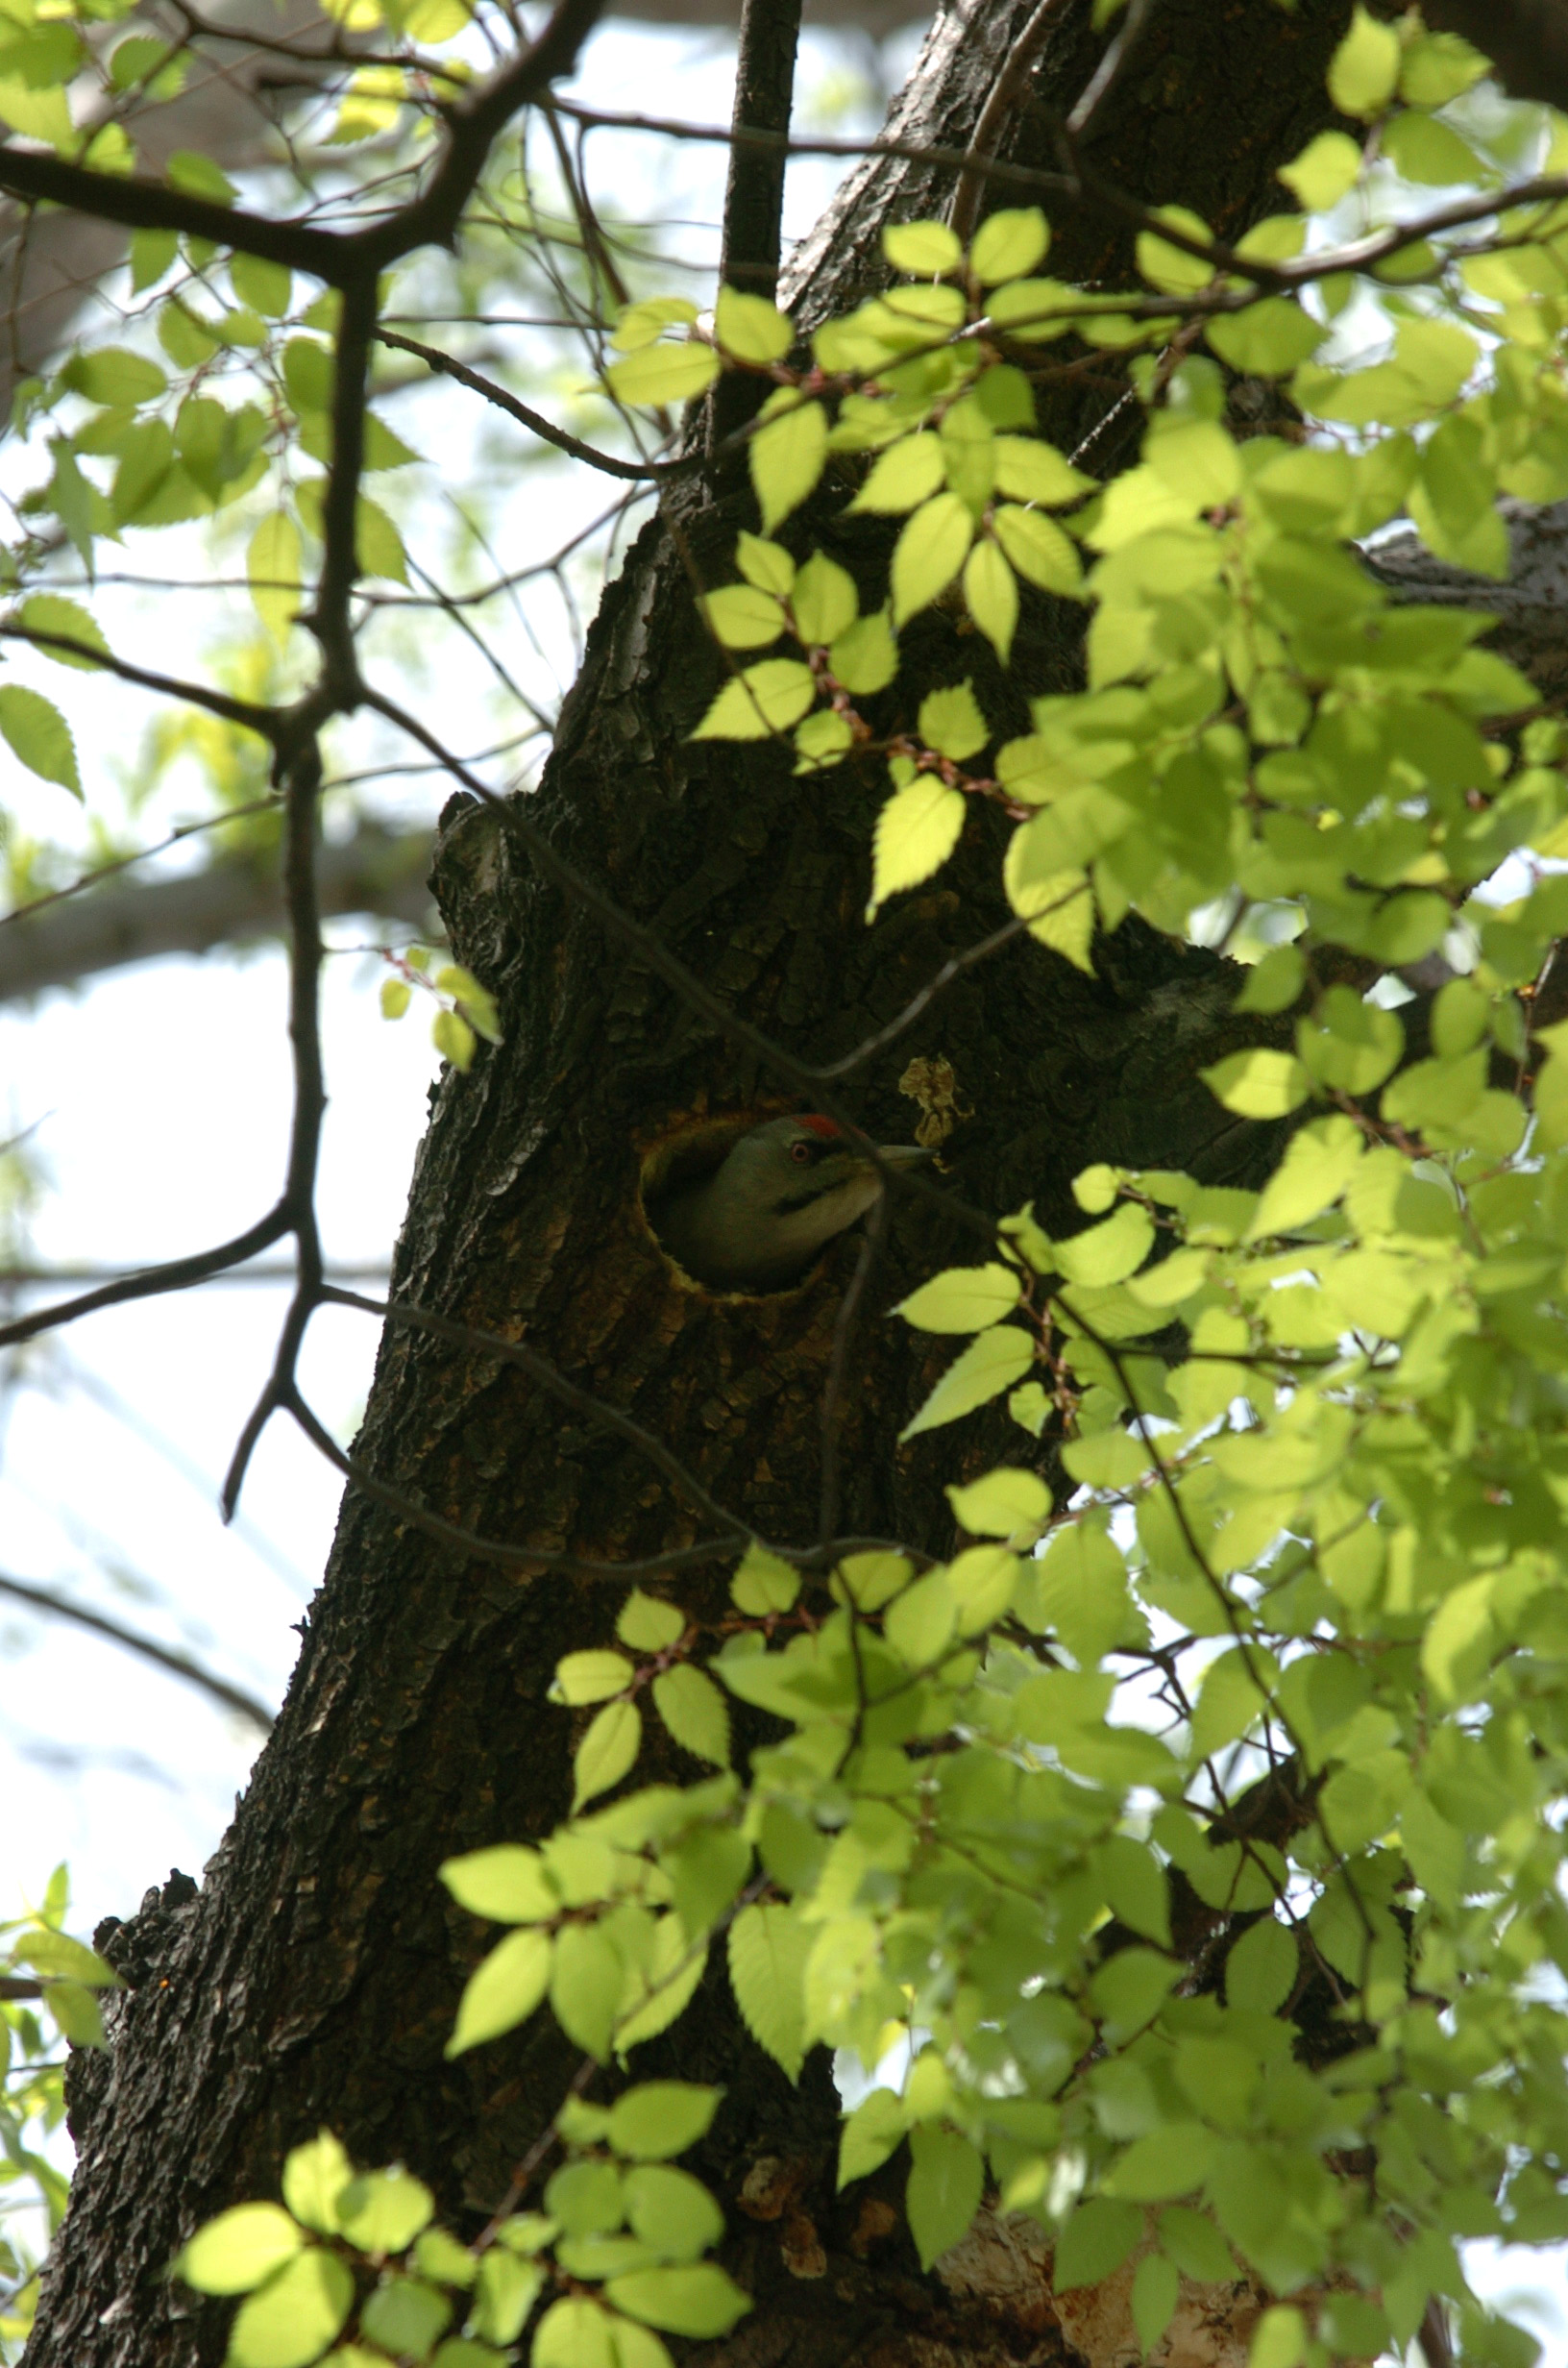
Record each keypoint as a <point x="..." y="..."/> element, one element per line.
<point x="235" y="899"/>
<point x="130" y="1641"/>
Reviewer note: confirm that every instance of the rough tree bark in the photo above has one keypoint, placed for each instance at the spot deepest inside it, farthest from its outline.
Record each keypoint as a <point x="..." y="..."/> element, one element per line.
<point x="314" y="1977"/>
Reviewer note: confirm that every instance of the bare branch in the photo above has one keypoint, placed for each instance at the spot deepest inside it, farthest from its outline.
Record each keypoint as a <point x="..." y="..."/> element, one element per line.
<point x="449" y="367"/>
<point x="130" y="1641"/>
<point x="87" y="929"/>
<point x="150" y="1282"/>
<point x="299" y="1199"/>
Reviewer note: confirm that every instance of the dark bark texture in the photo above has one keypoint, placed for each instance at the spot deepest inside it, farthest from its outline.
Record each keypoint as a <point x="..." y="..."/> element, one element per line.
<point x="314" y="1978"/>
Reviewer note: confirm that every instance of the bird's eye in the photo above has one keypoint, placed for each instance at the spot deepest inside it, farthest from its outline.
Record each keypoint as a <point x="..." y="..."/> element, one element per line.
<point x="800" y="1153"/>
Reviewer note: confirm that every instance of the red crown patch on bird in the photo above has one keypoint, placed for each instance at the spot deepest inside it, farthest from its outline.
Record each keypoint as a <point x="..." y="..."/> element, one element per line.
<point x="820" y="1125"/>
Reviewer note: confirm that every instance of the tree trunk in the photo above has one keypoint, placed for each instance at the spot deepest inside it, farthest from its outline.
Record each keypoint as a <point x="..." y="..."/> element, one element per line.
<point x="314" y="1978"/>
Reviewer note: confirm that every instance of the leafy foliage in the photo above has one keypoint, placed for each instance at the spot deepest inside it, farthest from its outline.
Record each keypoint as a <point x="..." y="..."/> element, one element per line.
<point x="1197" y="1837"/>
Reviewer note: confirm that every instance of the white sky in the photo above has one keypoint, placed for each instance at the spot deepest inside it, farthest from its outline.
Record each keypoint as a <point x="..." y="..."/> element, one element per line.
<point x="160" y="1099"/>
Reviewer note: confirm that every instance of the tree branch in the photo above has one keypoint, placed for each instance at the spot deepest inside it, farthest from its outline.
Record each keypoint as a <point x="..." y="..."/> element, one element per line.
<point x="237" y="898"/>
<point x="58" y="1607"/>
<point x="635" y="471"/>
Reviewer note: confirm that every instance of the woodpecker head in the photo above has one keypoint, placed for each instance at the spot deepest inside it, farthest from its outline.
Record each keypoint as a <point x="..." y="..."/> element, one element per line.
<point x="786" y="1188"/>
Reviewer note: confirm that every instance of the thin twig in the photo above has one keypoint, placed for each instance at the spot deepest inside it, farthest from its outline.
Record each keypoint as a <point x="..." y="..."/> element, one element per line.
<point x="546" y="429"/>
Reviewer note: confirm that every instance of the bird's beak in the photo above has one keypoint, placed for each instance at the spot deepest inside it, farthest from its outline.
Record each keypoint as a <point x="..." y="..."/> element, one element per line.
<point x="905" y="1154"/>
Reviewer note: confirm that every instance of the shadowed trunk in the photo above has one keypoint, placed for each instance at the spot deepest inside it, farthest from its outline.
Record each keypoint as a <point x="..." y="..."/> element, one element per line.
<point x="314" y="1977"/>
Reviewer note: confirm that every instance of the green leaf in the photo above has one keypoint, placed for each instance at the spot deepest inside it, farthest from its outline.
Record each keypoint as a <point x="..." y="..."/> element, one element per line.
<point x="825" y="601"/>
<point x="695" y="1712"/>
<point x="383" y="2211"/>
<point x="607" y="1752"/>
<point x="406" y="2317"/>
<point x="268" y="289"/>
<point x="592" y="1676"/>
<point x="378" y="544"/>
<point x="929" y="553"/>
<point x="1038" y="549"/>
<point x="1270" y="337"/>
<point x="274" y="563"/>
<point x="991" y="593"/>
<point x="868" y="2136"/>
<point x="1262" y="1968"/>
<point x="1459" y="1640"/>
<point x="1136" y="1888"/>
<point x="750" y="327"/>
<point x="1348" y="1042"/>
<point x="197" y="174"/>
<point x="787" y="456"/>
<point x="915" y="832"/>
<point x="153" y="253"/>
<point x="38" y="734"/>
<point x="112" y="376"/>
<point x="1008" y="244"/>
<point x="1430" y="153"/>
<point x="661" y="2118"/>
<point x="1001" y="1503"/>
<point x="1274" y="983"/>
<point x="454" y="1039"/>
<point x="1325" y="169"/>
<point x="573" y="2332"/>
<point x="1318" y="1164"/>
<point x="46" y="614"/>
<point x="1195" y="2245"/>
<point x="946" y="2180"/>
<point x="1437" y="67"/>
<point x="507" y="2291"/>
<point x="1279" y="2339"/>
<point x="1260" y="1084"/>
<point x="1365" y="70"/>
<point x="992" y="1362"/>
<point x="904" y="475"/>
<point x="1095" y="2242"/>
<point x="232" y="2253"/>
<point x="768" y="1950"/>
<point x="1168" y="2162"/>
<point x="661" y="374"/>
<point x="586" y="1982"/>
<point x="1171" y="268"/>
<point x="963" y="1300"/>
<point x="864" y="659"/>
<point x="769" y="696"/>
<point x="1230" y="1700"/>
<point x="952" y="723"/>
<point x="764" y="1583"/>
<point x="767" y="566"/>
<point x="294" y="2317"/>
<point x="315" y="2176"/>
<point x="1108" y="1253"/>
<point x="648" y="1624"/>
<point x="924" y="249"/>
<point x="920" y="1625"/>
<point x="695" y="2300"/>
<point x="1156" y="2285"/>
<point x="503" y="1991"/>
<point x="640" y="324"/>
<point x="1030" y="470"/>
<point x="672" y="2211"/>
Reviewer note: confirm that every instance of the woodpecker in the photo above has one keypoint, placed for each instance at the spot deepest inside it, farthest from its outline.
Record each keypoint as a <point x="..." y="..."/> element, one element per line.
<point x="786" y="1188"/>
